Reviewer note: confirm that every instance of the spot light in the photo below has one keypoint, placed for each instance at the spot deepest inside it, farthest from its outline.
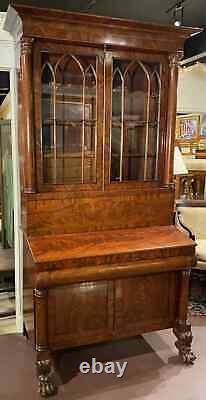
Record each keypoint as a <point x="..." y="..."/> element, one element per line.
<point x="177" y="23"/>
<point x="177" y="10"/>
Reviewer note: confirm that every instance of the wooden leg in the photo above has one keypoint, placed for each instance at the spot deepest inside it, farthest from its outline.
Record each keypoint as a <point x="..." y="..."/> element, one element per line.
<point x="44" y="360"/>
<point x="25" y="332"/>
<point x="184" y="336"/>
<point x="44" y="373"/>
<point x="182" y="328"/>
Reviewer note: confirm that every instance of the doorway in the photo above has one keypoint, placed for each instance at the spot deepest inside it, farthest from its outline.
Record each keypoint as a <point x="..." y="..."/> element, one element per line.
<point x="7" y="264"/>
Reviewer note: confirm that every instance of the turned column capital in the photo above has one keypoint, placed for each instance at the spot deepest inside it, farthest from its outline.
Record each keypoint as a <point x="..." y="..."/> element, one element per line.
<point x="40" y="293"/>
<point x="26" y="45"/>
<point x="175" y="58"/>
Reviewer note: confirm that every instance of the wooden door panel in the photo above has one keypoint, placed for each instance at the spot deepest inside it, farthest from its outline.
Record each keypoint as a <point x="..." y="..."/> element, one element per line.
<point x="80" y="312"/>
<point x="145" y="300"/>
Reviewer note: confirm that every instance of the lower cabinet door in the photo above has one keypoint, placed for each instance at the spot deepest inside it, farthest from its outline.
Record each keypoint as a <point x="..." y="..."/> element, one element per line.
<point x="145" y="303"/>
<point x="90" y="312"/>
<point x="80" y="313"/>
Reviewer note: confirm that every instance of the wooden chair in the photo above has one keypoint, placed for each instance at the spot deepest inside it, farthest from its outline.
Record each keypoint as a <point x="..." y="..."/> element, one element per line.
<point x="191" y="218"/>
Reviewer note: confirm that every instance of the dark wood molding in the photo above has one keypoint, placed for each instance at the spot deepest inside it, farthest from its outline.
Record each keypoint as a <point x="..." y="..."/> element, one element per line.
<point x="102" y="31"/>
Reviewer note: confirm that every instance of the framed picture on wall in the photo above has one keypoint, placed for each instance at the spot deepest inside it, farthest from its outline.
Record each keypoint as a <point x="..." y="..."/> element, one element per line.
<point x="188" y="132"/>
<point x="203" y="127"/>
<point x="187" y="128"/>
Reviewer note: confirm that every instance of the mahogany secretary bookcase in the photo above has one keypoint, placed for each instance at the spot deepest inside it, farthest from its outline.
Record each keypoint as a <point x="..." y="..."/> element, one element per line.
<point x="97" y="127"/>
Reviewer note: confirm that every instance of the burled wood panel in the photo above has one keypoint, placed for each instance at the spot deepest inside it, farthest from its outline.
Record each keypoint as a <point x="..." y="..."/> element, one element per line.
<point x="87" y="214"/>
<point x="151" y="298"/>
<point x="144" y="243"/>
<point x="79" y="312"/>
<point x="96" y="311"/>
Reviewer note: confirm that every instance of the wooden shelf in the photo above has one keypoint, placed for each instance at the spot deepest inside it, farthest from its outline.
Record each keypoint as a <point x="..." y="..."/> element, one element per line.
<point x="68" y="123"/>
<point x="134" y="124"/>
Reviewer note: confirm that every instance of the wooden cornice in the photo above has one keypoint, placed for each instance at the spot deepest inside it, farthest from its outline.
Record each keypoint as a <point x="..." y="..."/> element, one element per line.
<point x="53" y="24"/>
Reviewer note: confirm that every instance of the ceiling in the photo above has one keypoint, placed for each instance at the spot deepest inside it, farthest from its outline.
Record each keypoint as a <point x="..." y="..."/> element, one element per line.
<point x="144" y="10"/>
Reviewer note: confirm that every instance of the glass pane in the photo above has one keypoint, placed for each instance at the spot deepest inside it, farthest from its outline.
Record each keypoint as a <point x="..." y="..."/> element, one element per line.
<point x="90" y="136"/>
<point x="136" y="93"/>
<point x="153" y="136"/>
<point x="117" y="95"/>
<point x="133" y="154"/>
<point x="155" y="96"/>
<point x="151" y="154"/>
<point x="135" y="116"/>
<point x="48" y="122"/>
<point x="72" y="147"/>
<point x="117" y="127"/>
<point x="115" y="159"/>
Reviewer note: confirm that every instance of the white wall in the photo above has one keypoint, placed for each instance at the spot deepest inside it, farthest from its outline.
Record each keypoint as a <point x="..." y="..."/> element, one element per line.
<point x="191" y="93"/>
<point x="7" y="46"/>
<point x="9" y="61"/>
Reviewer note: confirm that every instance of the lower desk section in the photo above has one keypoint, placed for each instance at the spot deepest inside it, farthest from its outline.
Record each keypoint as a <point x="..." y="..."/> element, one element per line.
<point x="95" y="311"/>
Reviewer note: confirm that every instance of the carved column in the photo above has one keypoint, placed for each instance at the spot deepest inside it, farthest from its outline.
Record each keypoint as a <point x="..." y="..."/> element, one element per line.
<point x="171" y="116"/>
<point x="41" y="319"/>
<point x="26" y="117"/>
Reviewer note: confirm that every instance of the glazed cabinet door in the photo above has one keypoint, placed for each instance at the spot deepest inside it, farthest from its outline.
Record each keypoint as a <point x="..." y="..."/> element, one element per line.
<point x="136" y="85"/>
<point x="100" y="118"/>
<point x="68" y="117"/>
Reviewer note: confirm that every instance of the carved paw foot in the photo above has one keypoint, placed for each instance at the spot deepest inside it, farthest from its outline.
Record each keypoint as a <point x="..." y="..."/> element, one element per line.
<point x="188" y="357"/>
<point x="184" y="336"/>
<point x="46" y="386"/>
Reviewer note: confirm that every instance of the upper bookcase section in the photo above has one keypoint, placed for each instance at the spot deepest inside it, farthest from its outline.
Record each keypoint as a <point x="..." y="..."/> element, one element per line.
<point x="100" y="31"/>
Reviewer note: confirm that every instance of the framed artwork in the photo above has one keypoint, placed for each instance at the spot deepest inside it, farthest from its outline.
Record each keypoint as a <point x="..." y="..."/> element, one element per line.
<point x="187" y="128"/>
<point x="203" y="127"/>
<point x="203" y="132"/>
